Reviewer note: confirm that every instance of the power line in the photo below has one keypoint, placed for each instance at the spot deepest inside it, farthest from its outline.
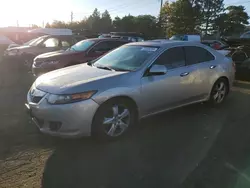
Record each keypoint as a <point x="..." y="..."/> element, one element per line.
<point x="117" y="8"/>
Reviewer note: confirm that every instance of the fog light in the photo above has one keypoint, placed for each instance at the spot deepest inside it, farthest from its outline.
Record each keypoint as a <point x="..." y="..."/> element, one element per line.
<point x="55" y="125"/>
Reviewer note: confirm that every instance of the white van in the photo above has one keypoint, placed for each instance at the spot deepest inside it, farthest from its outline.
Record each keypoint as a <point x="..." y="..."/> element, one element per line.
<point x="194" y="38"/>
<point x="51" y="31"/>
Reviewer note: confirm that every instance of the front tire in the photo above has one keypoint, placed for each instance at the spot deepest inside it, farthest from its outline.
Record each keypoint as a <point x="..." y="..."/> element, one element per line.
<point x="113" y="119"/>
<point x="219" y="91"/>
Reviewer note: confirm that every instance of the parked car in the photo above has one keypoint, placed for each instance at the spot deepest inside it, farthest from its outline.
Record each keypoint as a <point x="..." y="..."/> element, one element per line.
<point x="215" y="44"/>
<point x="81" y="52"/>
<point x="47" y="43"/>
<point x="193" y="38"/>
<point x="137" y="80"/>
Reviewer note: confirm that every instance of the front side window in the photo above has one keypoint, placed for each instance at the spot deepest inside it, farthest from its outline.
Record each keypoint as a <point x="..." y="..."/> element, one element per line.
<point x="51" y="42"/>
<point x="195" y="54"/>
<point x="35" y="42"/>
<point x="82" y="46"/>
<point x="172" y="58"/>
<point x="127" y="58"/>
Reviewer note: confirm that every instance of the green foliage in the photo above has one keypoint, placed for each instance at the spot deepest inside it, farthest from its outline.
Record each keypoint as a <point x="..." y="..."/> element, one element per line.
<point x="232" y="22"/>
<point x="206" y="17"/>
<point x="102" y="23"/>
<point x="210" y="10"/>
<point x="180" y="17"/>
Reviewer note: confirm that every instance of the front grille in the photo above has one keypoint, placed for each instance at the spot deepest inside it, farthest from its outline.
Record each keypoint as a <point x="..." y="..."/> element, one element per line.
<point x="35" y="99"/>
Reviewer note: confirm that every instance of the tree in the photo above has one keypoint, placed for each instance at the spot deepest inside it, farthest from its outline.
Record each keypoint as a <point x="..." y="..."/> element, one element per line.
<point x="233" y="22"/>
<point x="210" y="10"/>
<point x="147" y="25"/>
<point x="106" y="22"/>
<point x="117" y="23"/>
<point x="94" y="21"/>
<point x="34" y="26"/>
<point x="58" y="24"/>
<point x="127" y="24"/>
<point x="47" y="25"/>
<point x="180" y="17"/>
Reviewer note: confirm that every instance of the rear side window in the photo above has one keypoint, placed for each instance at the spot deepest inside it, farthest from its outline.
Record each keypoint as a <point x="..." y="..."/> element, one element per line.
<point x="172" y="58"/>
<point x="116" y="44"/>
<point x="102" y="47"/>
<point x="195" y="54"/>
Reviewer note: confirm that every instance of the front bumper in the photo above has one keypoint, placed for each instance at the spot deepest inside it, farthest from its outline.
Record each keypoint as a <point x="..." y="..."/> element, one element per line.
<point x="75" y="118"/>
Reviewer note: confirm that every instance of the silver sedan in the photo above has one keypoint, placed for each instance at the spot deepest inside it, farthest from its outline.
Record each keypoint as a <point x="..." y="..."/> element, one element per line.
<point x="106" y="97"/>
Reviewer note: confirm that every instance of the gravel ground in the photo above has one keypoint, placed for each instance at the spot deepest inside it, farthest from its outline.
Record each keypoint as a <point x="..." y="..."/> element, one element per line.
<point x="195" y="146"/>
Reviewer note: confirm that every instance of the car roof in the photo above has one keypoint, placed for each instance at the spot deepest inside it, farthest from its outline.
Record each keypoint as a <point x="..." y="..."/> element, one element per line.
<point x="164" y="43"/>
<point x="106" y="39"/>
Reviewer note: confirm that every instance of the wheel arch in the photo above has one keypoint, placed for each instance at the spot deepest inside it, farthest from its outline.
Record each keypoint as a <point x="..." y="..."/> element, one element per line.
<point x="125" y="97"/>
<point x="227" y="81"/>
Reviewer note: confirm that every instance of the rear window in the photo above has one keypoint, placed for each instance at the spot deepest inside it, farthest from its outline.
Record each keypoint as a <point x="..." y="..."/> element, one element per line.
<point x="195" y="54"/>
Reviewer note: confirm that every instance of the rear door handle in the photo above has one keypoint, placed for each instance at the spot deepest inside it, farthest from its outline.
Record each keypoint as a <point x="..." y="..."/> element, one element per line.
<point x="184" y="74"/>
<point x="212" y="66"/>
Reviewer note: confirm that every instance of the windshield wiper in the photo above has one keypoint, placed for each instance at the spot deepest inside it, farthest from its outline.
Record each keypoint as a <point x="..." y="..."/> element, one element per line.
<point x="105" y="67"/>
<point x="122" y="70"/>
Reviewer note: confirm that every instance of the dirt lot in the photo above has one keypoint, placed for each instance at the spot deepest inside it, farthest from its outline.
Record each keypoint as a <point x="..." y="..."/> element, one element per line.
<point x="193" y="147"/>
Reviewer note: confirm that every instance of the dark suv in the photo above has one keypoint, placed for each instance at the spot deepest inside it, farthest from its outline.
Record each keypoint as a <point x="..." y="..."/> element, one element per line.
<point x="81" y="52"/>
<point x="40" y="45"/>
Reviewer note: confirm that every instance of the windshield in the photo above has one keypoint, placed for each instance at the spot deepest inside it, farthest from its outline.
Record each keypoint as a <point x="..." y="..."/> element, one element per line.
<point x="127" y="58"/>
<point x="35" y="42"/>
<point x="82" y="45"/>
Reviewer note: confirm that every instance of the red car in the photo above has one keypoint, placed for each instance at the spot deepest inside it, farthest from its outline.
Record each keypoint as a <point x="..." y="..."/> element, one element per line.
<point x="81" y="52"/>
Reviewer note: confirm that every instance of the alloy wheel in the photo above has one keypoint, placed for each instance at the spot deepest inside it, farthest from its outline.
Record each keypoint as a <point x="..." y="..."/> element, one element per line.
<point x="219" y="92"/>
<point x="116" y="120"/>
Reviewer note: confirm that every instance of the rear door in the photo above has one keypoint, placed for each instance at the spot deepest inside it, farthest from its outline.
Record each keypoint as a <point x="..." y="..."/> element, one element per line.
<point x="204" y="64"/>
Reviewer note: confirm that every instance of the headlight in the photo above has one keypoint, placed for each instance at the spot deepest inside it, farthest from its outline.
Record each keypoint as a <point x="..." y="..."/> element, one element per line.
<point x="12" y="52"/>
<point x="63" y="99"/>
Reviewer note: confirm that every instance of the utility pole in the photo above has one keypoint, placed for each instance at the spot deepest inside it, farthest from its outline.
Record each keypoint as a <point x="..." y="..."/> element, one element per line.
<point x="71" y="16"/>
<point x="161" y="5"/>
<point x="160" y="18"/>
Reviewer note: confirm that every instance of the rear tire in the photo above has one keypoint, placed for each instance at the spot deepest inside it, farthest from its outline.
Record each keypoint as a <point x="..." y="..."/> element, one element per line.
<point x="219" y="92"/>
<point x="113" y="119"/>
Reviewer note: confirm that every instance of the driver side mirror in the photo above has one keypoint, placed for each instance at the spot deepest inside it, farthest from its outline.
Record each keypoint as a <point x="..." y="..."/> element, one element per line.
<point x="158" y="70"/>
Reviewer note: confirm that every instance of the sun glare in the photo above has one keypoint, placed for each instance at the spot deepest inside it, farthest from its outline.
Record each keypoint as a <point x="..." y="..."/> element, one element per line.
<point x="28" y="12"/>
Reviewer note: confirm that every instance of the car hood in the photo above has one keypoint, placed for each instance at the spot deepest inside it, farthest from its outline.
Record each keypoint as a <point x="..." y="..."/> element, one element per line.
<point x="55" y="54"/>
<point x="75" y="79"/>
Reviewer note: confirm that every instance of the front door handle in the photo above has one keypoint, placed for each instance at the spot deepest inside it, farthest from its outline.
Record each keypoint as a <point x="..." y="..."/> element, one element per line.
<point x="212" y="66"/>
<point x="184" y="74"/>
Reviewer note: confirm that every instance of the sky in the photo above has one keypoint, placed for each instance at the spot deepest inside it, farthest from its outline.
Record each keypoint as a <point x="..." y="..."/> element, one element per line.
<point x="27" y="12"/>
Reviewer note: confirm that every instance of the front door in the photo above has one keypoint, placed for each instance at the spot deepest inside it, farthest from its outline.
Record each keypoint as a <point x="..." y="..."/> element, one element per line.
<point x="160" y="92"/>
